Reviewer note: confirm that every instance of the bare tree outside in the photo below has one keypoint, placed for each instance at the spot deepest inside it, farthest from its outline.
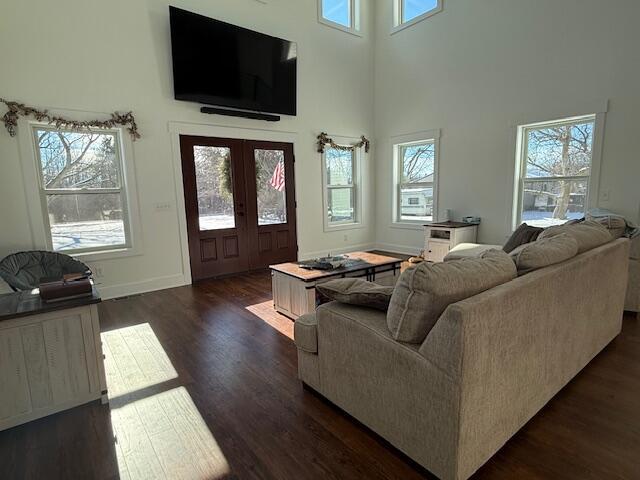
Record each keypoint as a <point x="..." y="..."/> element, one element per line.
<point x="339" y="172"/>
<point x="558" y="166"/>
<point x="416" y="182"/>
<point x="82" y="180"/>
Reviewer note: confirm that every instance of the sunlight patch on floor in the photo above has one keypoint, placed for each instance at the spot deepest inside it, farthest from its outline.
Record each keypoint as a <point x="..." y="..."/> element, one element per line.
<point x="134" y="359"/>
<point x="164" y="436"/>
<point x="267" y="313"/>
<point x="158" y="431"/>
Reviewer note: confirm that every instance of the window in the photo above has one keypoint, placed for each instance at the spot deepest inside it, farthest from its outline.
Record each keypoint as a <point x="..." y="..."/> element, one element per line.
<point x="409" y="12"/>
<point x="341" y="196"/>
<point x="341" y="14"/>
<point x="415" y="164"/>
<point x="554" y="171"/>
<point x="82" y="189"/>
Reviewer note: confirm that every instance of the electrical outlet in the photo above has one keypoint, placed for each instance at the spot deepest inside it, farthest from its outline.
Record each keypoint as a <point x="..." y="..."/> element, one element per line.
<point x="346" y="238"/>
<point x="604" y="195"/>
<point x="162" y="206"/>
<point x="97" y="272"/>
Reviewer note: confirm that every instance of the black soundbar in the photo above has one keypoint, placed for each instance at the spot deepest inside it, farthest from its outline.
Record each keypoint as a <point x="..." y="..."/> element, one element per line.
<point x="240" y="113"/>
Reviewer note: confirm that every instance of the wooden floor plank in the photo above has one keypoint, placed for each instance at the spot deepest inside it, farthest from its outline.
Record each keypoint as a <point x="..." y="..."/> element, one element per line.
<point x="204" y="385"/>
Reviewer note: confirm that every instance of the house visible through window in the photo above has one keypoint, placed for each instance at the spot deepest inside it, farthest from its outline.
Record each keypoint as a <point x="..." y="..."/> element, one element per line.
<point x="416" y="181"/>
<point x="555" y="165"/>
<point x="412" y="11"/>
<point x="82" y="189"/>
<point x="340" y="13"/>
<point x="340" y="171"/>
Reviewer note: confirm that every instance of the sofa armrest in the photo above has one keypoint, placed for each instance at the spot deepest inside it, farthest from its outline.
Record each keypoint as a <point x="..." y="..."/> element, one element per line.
<point x="388" y="385"/>
<point x="305" y="333"/>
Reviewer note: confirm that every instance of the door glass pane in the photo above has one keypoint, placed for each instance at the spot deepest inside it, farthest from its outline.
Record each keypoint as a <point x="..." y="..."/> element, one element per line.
<point x="560" y="151"/>
<point x="86" y="220"/>
<point x="340" y="205"/>
<point x="214" y="184"/>
<point x="416" y="203"/>
<point x="270" y="187"/>
<point x="546" y="203"/>
<point x="339" y="166"/>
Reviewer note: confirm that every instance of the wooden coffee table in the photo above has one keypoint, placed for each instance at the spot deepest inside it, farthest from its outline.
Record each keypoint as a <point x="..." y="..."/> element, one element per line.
<point x="294" y="288"/>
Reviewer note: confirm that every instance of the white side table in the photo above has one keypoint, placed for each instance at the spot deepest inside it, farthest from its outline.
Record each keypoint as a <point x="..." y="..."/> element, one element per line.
<point x="439" y="238"/>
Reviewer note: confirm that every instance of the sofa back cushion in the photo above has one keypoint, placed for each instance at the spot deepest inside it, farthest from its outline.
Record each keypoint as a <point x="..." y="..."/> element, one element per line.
<point x="588" y="234"/>
<point x="425" y="291"/>
<point x="544" y="252"/>
<point x="522" y="235"/>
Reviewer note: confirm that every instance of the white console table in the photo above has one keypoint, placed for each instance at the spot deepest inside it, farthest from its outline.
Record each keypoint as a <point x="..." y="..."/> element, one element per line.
<point x="50" y="356"/>
<point x="439" y="238"/>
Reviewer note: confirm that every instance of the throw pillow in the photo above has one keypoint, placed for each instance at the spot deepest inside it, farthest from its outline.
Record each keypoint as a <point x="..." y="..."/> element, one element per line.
<point x="523" y="234"/>
<point x="588" y="234"/>
<point x="544" y="252"/>
<point x="356" y="291"/>
<point x="424" y="292"/>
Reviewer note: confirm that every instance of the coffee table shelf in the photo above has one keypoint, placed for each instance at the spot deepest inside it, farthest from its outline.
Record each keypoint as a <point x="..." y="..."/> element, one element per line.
<point x="294" y="288"/>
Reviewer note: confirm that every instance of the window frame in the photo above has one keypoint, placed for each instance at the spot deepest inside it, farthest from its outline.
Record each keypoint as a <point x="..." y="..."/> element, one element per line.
<point x="355" y="186"/>
<point x="397" y="144"/>
<point x="36" y="194"/>
<point x="522" y="146"/>
<point x="398" y="7"/>
<point x="354" y="16"/>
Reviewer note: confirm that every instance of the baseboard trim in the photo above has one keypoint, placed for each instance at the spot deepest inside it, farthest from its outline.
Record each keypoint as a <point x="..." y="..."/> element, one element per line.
<point x="135" y="288"/>
<point x="337" y="251"/>
<point x="395" y="248"/>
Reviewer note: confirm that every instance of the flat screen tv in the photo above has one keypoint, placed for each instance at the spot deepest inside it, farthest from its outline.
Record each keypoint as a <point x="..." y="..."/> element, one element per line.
<point x="219" y="64"/>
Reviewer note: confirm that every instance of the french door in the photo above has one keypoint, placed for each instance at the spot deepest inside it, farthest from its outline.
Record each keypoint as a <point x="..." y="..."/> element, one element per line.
<point x="240" y="204"/>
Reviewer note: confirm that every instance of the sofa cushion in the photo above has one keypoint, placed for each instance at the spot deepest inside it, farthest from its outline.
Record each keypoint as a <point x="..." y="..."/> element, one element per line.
<point x="544" y="252"/>
<point x="424" y="292"/>
<point x="588" y="234"/>
<point x="356" y="291"/>
<point x="305" y="333"/>
<point x="466" y="250"/>
<point x="523" y="234"/>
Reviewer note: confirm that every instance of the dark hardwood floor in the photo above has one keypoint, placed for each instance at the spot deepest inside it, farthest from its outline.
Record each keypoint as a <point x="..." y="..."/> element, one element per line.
<point x="204" y="386"/>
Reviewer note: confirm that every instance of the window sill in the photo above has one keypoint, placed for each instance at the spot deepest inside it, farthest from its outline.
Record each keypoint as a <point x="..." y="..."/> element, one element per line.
<point x="342" y="28"/>
<point x="98" y="256"/>
<point x="344" y="226"/>
<point x="410" y="226"/>
<point x="418" y="19"/>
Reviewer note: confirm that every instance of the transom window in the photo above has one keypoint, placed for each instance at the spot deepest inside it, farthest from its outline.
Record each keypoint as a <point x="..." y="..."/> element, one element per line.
<point x="555" y="167"/>
<point x="342" y="14"/>
<point x="416" y="171"/>
<point x="340" y="172"/>
<point x="408" y="12"/>
<point x="82" y="189"/>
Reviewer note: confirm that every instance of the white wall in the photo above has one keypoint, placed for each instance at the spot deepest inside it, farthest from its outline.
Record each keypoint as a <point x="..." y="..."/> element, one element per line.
<point x="479" y="68"/>
<point x="98" y="56"/>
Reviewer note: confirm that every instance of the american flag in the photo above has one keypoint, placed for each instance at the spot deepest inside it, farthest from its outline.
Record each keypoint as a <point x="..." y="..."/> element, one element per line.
<point x="277" y="179"/>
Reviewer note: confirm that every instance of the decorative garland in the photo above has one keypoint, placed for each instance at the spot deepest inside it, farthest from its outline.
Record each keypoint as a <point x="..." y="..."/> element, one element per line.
<point x="323" y="139"/>
<point x="16" y="110"/>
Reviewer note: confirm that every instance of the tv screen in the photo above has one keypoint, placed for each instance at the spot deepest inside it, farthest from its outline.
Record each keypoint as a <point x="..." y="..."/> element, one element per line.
<point x="224" y="65"/>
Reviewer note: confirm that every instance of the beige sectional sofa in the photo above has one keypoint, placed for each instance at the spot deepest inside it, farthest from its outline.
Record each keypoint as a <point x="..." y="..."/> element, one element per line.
<point x="489" y="363"/>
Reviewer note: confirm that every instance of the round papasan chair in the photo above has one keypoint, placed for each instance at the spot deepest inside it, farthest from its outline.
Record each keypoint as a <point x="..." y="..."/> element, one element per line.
<point x="26" y="270"/>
